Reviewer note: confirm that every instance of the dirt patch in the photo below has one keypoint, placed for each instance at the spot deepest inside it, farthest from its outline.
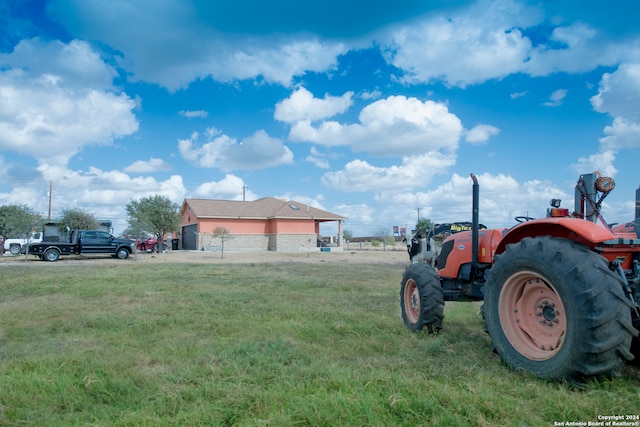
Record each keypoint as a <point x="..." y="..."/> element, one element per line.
<point x="346" y="256"/>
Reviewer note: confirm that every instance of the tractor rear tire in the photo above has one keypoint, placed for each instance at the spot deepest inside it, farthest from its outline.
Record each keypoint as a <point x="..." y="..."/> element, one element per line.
<point x="554" y="308"/>
<point x="422" y="298"/>
<point x="635" y="343"/>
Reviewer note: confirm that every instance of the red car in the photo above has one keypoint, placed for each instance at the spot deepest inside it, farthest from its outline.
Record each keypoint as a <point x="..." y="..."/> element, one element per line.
<point x="149" y="244"/>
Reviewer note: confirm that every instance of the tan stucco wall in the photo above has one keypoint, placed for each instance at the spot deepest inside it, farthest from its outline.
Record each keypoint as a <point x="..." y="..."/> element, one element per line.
<point x="289" y="226"/>
<point x="235" y="226"/>
<point x="258" y="226"/>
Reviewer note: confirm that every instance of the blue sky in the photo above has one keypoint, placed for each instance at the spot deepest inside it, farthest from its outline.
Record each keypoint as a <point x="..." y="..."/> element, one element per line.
<point x="372" y="111"/>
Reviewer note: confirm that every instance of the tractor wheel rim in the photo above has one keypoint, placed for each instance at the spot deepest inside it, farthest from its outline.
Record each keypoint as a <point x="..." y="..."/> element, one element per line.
<point x="532" y="315"/>
<point x="411" y="301"/>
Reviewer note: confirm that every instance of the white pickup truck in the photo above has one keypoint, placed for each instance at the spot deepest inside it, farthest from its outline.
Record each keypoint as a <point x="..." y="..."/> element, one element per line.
<point x="14" y="246"/>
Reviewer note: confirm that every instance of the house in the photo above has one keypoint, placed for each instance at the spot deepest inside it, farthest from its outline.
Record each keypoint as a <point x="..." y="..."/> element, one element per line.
<point x="260" y="225"/>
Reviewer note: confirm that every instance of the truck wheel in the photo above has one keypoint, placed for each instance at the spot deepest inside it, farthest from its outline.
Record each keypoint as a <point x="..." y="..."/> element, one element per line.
<point x="51" y="255"/>
<point x="122" y="253"/>
<point x="14" y="248"/>
<point x="553" y="308"/>
<point x="422" y="298"/>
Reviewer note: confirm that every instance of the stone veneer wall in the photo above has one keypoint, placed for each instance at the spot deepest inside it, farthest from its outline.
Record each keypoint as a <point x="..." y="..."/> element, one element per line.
<point x="260" y="243"/>
<point x="235" y="243"/>
<point x="292" y="242"/>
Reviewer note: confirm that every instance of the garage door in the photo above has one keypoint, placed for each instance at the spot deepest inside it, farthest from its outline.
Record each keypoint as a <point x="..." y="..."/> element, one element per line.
<point x="189" y="234"/>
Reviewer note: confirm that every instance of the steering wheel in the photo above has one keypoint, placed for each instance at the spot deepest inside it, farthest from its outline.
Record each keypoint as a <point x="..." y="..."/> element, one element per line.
<point x="522" y="219"/>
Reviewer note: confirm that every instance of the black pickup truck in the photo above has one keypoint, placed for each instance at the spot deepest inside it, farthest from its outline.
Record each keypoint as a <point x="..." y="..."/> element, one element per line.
<point x="82" y="242"/>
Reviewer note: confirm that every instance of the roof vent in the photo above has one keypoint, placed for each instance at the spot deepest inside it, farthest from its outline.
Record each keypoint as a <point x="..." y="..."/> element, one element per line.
<point x="294" y="206"/>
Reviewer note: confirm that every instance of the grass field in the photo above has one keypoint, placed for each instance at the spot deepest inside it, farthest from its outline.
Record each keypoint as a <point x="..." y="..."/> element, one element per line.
<point x="276" y="344"/>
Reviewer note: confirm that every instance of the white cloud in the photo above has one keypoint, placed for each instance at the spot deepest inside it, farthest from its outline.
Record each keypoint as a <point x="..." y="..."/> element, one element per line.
<point x="148" y="166"/>
<point x="302" y="105"/>
<point x="374" y="94"/>
<point x="318" y="162"/>
<point x="619" y="93"/>
<point x="103" y="193"/>
<point x="51" y="113"/>
<point x="193" y="113"/>
<point x="478" y="44"/>
<point x="108" y="187"/>
<point x="359" y="216"/>
<point x="556" y="98"/>
<point x="71" y="65"/>
<point x="395" y="126"/>
<point x="619" y="96"/>
<point x="415" y="171"/>
<point x="318" y="159"/>
<point x="257" y="151"/>
<point x="501" y="199"/>
<point x="275" y="60"/>
<point x="621" y="134"/>
<point x="171" y="44"/>
<point x="313" y="201"/>
<point x="230" y="187"/>
<point x="573" y="49"/>
<point x="487" y="40"/>
<point x="602" y="162"/>
<point x="481" y="134"/>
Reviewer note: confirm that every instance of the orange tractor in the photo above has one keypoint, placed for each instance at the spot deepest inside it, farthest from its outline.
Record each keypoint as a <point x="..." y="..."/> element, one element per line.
<point x="560" y="293"/>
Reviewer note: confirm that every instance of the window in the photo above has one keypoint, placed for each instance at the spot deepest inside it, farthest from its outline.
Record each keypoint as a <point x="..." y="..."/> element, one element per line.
<point x="294" y="206"/>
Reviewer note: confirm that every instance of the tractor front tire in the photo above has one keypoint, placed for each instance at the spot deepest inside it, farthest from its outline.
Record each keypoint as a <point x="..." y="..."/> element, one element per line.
<point x="554" y="308"/>
<point x="422" y="298"/>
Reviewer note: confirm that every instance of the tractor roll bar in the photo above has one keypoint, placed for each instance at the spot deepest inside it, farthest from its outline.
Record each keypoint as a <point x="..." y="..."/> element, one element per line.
<point x="475" y="221"/>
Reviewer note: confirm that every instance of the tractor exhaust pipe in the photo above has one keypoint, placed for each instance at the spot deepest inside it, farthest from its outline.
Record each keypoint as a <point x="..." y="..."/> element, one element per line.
<point x="475" y="221"/>
<point x="637" y="219"/>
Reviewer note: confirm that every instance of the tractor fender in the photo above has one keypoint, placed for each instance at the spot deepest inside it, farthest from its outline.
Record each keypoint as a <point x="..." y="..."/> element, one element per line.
<point x="576" y="229"/>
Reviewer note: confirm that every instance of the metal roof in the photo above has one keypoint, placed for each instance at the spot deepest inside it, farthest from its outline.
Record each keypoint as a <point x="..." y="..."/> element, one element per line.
<point x="265" y="208"/>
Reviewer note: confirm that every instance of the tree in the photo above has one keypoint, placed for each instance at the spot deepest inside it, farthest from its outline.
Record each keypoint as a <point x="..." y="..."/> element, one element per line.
<point x="15" y="221"/>
<point x="77" y="219"/>
<point x="383" y="234"/>
<point x="156" y="215"/>
<point x="223" y="234"/>
<point x="347" y="235"/>
<point x="135" y="230"/>
<point x="19" y="221"/>
<point x="424" y="224"/>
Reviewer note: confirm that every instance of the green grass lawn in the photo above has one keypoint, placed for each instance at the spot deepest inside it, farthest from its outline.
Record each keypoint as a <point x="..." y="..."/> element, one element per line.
<point x="309" y="344"/>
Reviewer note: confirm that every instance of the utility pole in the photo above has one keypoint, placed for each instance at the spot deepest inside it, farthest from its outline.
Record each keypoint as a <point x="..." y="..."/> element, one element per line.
<point x="50" y="193"/>
<point x="244" y="187"/>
